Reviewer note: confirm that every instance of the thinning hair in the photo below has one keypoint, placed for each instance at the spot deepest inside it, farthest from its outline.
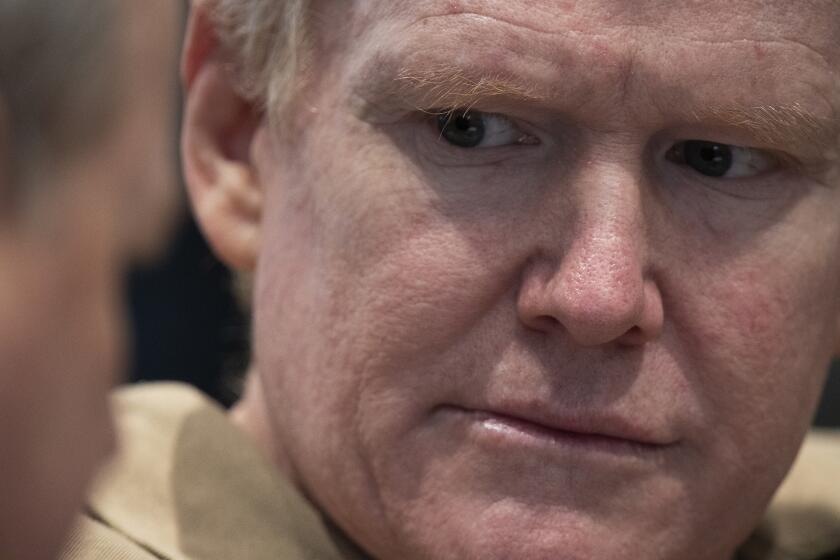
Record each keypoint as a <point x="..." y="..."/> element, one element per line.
<point x="265" y="40"/>
<point x="57" y="87"/>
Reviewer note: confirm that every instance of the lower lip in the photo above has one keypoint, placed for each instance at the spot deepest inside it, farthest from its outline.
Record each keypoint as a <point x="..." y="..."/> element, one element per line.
<point x="497" y="429"/>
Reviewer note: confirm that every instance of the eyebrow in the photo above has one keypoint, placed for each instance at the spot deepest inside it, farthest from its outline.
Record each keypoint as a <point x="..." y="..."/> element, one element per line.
<point x="446" y="86"/>
<point x="777" y="125"/>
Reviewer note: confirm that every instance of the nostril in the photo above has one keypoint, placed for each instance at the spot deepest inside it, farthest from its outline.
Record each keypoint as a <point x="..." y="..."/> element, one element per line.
<point x="618" y="305"/>
<point x="633" y="337"/>
<point x="545" y="323"/>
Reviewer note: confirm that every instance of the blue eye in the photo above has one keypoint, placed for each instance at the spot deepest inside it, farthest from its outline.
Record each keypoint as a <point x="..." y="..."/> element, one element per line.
<point x="474" y="129"/>
<point x="717" y="160"/>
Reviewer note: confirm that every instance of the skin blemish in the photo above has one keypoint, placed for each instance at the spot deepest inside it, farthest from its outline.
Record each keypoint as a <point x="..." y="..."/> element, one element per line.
<point x="453" y="8"/>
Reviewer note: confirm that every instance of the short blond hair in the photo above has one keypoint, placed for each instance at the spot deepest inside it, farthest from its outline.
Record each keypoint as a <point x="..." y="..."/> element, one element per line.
<point x="265" y="41"/>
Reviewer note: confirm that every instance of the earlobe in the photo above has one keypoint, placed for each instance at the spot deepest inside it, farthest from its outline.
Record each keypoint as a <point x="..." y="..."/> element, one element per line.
<point x="218" y="132"/>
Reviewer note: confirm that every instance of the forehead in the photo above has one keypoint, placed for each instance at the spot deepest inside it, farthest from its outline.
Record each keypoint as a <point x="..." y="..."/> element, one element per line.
<point x="611" y="61"/>
<point x="604" y="32"/>
<point x="815" y="24"/>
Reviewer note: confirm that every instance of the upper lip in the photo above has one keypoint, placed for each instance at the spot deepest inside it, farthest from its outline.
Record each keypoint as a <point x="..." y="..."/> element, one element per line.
<point x="600" y="424"/>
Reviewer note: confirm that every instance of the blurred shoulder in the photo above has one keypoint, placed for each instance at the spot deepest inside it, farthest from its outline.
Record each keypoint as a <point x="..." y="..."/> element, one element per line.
<point x="90" y="540"/>
<point x="187" y="484"/>
<point x="159" y="402"/>
<point x="132" y="511"/>
<point x="803" y="521"/>
<point x="813" y="481"/>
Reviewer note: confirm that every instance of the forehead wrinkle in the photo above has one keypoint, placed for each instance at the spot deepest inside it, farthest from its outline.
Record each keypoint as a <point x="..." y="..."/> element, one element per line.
<point x="422" y="78"/>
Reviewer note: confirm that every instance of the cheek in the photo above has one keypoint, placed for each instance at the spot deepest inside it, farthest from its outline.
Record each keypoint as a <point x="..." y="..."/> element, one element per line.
<point x="426" y="279"/>
<point x="378" y="271"/>
<point x="363" y="286"/>
<point x="757" y="330"/>
<point x="371" y="251"/>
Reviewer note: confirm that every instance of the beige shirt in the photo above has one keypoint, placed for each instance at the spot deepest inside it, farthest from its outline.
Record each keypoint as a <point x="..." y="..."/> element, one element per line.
<point x="188" y="485"/>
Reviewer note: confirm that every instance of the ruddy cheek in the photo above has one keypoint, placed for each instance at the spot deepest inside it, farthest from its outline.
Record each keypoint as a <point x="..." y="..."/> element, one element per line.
<point x="737" y="322"/>
<point x="762" y="347"/>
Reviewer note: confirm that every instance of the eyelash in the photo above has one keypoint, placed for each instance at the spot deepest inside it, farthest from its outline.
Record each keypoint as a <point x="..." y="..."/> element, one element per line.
<point x="477" y="131"/>
<point x="743" y="162"/>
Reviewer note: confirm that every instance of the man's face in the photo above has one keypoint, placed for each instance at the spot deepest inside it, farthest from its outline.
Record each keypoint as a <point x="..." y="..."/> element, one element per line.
<point x="588" y="319"/>
<point x="61" y="313"/>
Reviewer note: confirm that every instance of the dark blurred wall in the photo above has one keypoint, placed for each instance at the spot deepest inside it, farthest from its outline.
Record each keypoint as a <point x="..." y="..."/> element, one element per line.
<point x="829" y="412"/>
<point x="186" y="323"/>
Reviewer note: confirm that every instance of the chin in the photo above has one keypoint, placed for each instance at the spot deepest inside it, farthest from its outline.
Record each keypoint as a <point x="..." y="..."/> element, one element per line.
<point x="515" y="542"/>
<point x="515" y="531"/>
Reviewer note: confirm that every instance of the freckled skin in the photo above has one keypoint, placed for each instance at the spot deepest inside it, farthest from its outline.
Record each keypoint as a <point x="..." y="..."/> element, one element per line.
<point x="587" y="273"/>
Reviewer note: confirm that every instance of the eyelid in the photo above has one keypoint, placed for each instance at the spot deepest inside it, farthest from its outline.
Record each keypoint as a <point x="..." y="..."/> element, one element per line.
<point x="769" y="161"/>
<point x="519" y="136"/>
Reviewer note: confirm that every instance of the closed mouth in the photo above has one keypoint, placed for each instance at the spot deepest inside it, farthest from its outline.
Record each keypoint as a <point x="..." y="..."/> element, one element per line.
<point x="593" y="432"/>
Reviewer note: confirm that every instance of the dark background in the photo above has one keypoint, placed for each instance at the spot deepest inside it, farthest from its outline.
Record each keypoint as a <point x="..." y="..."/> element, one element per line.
<point x="186" y="324"/>
<point x="188" y="327"/>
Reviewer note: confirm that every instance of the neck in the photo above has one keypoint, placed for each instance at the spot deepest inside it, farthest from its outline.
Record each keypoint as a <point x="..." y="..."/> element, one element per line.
<point x="251" y="415"/>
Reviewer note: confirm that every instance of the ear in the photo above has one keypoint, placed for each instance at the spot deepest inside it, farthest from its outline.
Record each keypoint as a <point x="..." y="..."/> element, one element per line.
<point x="218" y="130"/>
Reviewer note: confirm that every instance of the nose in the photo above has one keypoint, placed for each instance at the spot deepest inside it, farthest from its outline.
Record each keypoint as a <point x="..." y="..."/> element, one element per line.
<point x="596" y="290"/>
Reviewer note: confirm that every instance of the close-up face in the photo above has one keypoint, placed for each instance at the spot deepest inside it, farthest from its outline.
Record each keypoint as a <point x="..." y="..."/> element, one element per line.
<point x="64" y="249"/>
<point x="551" y="280"/>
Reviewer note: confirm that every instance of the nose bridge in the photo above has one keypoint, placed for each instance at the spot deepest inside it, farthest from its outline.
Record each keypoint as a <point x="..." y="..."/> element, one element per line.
<point x="596" y="290"/>
<point x="605" y="253"/>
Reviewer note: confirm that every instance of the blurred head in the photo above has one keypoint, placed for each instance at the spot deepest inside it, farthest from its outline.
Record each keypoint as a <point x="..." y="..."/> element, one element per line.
<point x="85" y="187"/>
<point x="532" y="279"/>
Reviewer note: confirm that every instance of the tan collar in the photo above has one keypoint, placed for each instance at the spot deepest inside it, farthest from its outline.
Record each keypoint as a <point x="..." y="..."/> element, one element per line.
<point x="189" y="486"/>
<point x="803" y="522"/>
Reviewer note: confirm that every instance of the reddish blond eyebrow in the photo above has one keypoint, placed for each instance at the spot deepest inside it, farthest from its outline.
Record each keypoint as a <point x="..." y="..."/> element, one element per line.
<point x="446" y="87"/>
<point x="778" y="125"/>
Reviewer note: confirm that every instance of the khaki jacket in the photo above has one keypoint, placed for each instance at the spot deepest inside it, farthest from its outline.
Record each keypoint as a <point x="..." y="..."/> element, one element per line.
<point x="189" y="486"/>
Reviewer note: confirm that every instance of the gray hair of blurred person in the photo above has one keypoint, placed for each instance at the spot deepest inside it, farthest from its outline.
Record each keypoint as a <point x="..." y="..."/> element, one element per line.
<point x="55" y="98"/>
